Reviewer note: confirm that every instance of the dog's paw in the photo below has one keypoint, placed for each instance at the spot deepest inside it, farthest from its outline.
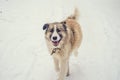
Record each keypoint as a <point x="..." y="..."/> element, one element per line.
<point x="67" y="74"/>
<point x="60" y="78"/>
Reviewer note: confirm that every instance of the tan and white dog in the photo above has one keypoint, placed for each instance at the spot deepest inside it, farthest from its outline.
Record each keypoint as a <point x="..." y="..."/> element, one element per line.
<point x="62" y="39"/>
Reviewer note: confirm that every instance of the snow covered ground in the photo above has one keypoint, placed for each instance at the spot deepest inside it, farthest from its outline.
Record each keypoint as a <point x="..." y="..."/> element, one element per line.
<point x="23" y="52"/>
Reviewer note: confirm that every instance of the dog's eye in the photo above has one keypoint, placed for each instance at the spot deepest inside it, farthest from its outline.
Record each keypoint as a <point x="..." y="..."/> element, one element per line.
<point x="58" y="30"/>
<point x="51" y="30"/>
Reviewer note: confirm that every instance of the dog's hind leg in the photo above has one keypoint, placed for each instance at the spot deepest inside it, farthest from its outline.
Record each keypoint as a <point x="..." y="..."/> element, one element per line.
<point x="68" y="72"/>
<point x="75" y="51"/>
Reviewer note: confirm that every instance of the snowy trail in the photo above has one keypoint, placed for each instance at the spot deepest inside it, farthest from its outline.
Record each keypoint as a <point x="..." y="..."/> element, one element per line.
<point x="23" y="52"/>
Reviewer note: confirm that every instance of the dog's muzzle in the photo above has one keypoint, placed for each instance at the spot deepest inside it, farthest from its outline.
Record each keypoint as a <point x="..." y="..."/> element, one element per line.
<point x="55" y="40"/>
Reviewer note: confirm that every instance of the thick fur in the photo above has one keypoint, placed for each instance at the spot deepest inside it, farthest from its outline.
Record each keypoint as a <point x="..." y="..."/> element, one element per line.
<point x="71" y="37"/>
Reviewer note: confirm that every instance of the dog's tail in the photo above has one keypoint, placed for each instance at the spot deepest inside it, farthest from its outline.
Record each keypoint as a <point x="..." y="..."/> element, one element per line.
<point x="77" y="33"/>
<point x="75" y="15"/>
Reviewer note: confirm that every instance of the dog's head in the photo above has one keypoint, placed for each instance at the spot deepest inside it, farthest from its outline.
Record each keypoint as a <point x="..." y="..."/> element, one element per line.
<point x="55" y="32"/>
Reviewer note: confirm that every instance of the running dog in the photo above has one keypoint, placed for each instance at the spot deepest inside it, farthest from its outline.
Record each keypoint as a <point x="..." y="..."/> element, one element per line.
<point x="63" y="38"/>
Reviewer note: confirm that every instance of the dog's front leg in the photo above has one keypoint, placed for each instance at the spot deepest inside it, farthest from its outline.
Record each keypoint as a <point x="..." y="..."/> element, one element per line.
<point x="63" y="69"/>
<point x="56" y="63"/>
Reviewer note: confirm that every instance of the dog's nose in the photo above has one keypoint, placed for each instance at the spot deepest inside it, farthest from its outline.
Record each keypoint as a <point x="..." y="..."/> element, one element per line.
<point x="55" y="38"/>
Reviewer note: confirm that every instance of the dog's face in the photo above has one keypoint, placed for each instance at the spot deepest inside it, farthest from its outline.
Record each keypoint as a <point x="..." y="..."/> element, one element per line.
<point x="55" y="33"/>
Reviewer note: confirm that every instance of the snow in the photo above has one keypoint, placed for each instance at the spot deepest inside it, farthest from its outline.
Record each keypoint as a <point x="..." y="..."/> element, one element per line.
<point x="23" y="52"/>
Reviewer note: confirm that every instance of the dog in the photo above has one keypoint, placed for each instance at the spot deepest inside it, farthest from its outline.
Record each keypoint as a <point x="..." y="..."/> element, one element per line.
<point x="63" y="38"/>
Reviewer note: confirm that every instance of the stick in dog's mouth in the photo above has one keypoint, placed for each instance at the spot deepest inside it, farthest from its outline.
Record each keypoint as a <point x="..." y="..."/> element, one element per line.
<point x="54" y="50"/>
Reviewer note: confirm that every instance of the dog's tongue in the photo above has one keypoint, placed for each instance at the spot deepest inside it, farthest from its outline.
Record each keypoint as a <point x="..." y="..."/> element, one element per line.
<point x="55" y="43"/>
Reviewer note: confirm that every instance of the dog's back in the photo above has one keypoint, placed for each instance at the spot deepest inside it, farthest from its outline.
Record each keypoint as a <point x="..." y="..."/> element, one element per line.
<point x="72" y="23"/>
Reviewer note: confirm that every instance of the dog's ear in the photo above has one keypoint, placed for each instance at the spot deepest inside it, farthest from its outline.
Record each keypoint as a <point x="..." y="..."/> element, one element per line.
<point x="64" y="22"/>
<point x="45" y="26"/>
<point x="64" y="25"/>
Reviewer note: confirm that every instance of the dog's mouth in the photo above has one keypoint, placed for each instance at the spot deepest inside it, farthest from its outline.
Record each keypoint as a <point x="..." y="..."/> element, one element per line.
<point x="56" y="43"/>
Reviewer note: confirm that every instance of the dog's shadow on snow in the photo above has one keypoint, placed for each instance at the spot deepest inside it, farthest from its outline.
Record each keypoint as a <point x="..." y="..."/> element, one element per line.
<point x="76" y="72"/>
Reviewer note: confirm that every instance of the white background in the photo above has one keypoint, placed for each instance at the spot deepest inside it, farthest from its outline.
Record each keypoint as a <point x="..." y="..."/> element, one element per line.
<point x="23" y="52"/>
